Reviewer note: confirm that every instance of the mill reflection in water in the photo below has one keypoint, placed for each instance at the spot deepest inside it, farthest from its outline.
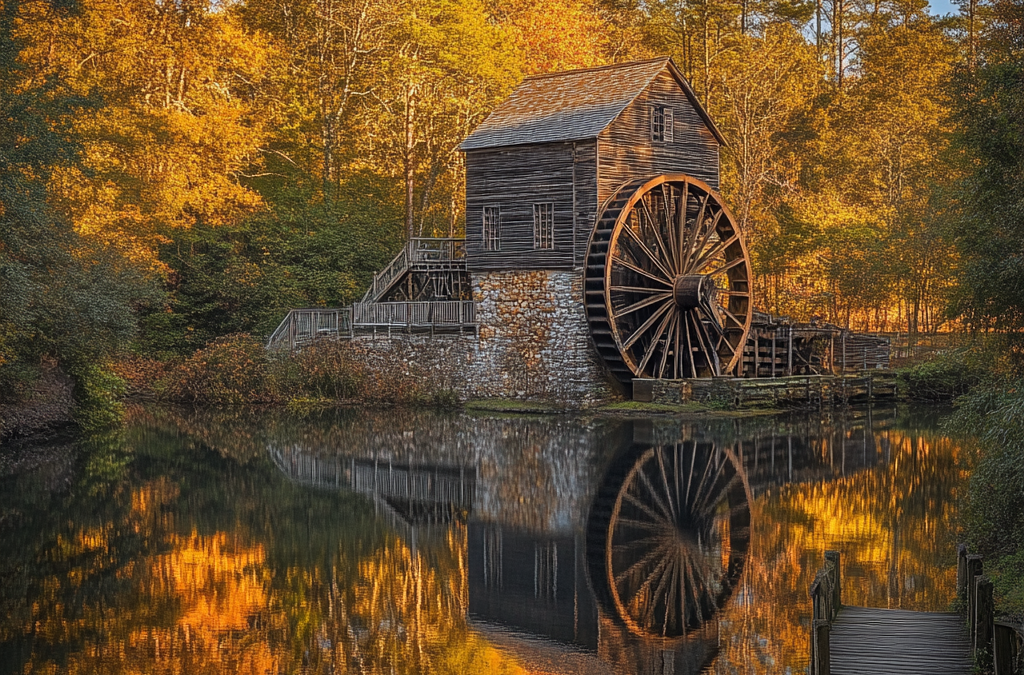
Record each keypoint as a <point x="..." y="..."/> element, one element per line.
<point x="628" y="540"/>
<point x="410" y="542"/>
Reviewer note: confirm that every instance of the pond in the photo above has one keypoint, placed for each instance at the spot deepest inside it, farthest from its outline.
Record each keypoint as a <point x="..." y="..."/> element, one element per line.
<point x="403" y="541"/>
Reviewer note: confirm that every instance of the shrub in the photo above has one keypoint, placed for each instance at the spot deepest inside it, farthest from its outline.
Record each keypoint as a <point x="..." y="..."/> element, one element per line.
<point x="98" y="394"/>
<point x="943" y="378"/>
<point x="229" y="370"/>
<point x="992" y="512"/>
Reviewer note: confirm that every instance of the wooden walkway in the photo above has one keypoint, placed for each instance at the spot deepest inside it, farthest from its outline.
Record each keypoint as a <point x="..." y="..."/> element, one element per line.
<point x="870" y="641"/>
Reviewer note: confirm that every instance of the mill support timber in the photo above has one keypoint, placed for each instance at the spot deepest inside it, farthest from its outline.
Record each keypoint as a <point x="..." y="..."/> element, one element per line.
<point x="798" y="390"/>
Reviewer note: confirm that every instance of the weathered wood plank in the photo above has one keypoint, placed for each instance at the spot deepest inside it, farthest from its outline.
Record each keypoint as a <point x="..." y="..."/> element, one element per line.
<point x="866" y="640"/>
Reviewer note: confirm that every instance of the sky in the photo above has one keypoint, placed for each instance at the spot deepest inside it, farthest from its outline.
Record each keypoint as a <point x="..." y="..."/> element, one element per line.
<point x="941" y="7"/>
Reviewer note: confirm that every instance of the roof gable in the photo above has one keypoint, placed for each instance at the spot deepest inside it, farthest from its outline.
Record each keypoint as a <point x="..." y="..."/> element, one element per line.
<point x="573" y="105"/>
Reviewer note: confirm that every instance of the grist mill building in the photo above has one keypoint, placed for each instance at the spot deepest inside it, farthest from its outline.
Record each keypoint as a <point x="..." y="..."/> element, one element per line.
<point x="597" y="252"/>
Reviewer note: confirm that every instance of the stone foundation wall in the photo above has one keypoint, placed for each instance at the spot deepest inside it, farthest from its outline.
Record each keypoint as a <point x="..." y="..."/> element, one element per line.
<point x="533" y="342"/>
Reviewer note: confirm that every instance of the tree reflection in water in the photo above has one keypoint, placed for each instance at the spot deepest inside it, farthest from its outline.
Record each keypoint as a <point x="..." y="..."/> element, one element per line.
<point x="179" y="546"/>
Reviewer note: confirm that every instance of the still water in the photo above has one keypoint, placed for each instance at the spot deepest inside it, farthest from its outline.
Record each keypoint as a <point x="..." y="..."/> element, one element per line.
<point x="414" y="542"/>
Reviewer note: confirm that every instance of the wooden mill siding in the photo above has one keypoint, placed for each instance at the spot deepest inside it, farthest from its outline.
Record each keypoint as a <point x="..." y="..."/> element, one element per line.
<point x="529" y="151"/>
<point x="516" y="178"/>
<point x="626" y="151"/>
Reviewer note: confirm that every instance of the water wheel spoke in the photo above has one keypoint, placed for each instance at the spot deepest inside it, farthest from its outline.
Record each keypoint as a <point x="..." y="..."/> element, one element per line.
<point x="657" y="526"/>
<point x="658" y="572"/>
<point x="705" y="346"/>
<point x="647" y="252"/>
<point x="711" y="230"/>
<point x="616" y="260"/>
<point x="660" y="297"/>
<point x="668" y="343"/>
<point x="695" y="230"/>
<point x="684" y="206"/>
<point x="729" y="315"/>
<point x="667" y="513"/>
<point x="636" y="289"/>
<point x="649" y="557"/>
<point x="644" y="541"/>
<point x="676" y="359"/>
<point x="666" y="572"/>
<point x="728" y="266"/>
<point x="646" y="325"/>
<point x="653" y="346"/>
<point x="689" y="343"/>
<point x="670" y="227"/>
<point x="664" y="481"/>
<point x="654" y="515"/>
<point x="654" y="227"/>
<point x="714" y="252"/>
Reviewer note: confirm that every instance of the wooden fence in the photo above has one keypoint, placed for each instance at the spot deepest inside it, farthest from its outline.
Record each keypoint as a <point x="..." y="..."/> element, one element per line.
<point x="826" y="599"/>
<point x="302" y="326"/>
<point x="996" y="644"/>
<point x="445" y="313"/>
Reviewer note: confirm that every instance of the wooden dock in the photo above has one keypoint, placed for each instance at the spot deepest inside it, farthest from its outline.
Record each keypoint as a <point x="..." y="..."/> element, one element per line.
<point x="871" y="641"/>
<point x="847" y="640"/>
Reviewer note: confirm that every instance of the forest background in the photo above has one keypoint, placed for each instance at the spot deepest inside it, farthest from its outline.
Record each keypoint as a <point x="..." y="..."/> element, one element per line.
<point x="171" y="172"/>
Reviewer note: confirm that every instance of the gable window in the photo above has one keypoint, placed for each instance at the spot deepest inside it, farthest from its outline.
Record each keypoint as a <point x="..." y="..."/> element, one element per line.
<point x="661" y="124"/>
<point x="544" y="225"/>
<point x="492" y="228"/>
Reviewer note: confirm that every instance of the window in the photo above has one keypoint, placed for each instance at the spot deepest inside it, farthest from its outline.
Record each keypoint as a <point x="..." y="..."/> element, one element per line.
<point x="662" y="124"/>
<point x="544" y="225"/>
<point x="492" y="228"/>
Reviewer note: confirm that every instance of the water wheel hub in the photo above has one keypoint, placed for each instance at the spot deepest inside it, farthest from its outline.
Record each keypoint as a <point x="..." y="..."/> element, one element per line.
<point x="693" y="290"/>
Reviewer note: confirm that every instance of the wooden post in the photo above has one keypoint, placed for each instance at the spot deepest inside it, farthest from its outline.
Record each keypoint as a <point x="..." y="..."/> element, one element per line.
<point x="961" y="571"/>
<point x="844" y="353"/>
<point x="1003" y="647"/>
<point x="973" y="570"/>
<point x="984" y="617"/>
<point x="822" y="656"/>
<point x="832" y="558"/>
<point x="789" y="360"/>
<point x="757" y="349"/>
<point x="832" y="353"/>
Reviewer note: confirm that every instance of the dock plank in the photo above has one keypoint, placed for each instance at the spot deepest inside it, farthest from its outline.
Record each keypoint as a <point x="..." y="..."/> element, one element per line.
<point x="873" y="641"/>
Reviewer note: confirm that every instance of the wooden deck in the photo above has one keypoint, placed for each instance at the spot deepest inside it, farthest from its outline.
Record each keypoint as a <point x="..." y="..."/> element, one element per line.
<point x="870" y="641"/>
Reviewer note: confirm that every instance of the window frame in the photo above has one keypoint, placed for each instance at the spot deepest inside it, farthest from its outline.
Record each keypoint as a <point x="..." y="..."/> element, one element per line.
<point x="662" y="124"/>
<point x="491" y="227"/>
<point x="543" y="226"/>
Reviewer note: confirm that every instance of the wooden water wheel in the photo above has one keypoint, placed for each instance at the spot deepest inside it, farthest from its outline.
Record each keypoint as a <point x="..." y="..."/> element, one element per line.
<point x="676" y="537"/>
<point x="668" y="282"/>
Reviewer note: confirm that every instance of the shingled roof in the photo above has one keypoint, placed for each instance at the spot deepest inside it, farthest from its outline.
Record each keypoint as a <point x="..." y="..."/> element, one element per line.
<point x="573" y="105"/>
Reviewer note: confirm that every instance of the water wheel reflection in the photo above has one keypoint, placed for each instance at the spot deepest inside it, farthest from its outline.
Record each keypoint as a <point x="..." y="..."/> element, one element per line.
<point x="675" y="537"/>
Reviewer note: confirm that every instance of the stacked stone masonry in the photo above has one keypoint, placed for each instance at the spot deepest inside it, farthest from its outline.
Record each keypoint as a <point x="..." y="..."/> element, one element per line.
<point x="532" y="342"/>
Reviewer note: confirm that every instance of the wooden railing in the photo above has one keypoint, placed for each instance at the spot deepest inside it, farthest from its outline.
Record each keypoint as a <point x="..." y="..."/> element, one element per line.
<point x="826" y="599"/>
<point x="303" y="326"/>
<point x="999" y="644"/>
<point x="446" y="313"/>
<point x="433" y="253"/>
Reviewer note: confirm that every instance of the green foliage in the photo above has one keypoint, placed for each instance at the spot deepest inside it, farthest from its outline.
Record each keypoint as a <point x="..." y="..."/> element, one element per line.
<point x="245" y="278"/>
<point x="98" y="394"/>
<point x="61" y="294"/>
<point x="943" y="378"/>
<point x="993" y="510"/>
<point x="989" y="104"/>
